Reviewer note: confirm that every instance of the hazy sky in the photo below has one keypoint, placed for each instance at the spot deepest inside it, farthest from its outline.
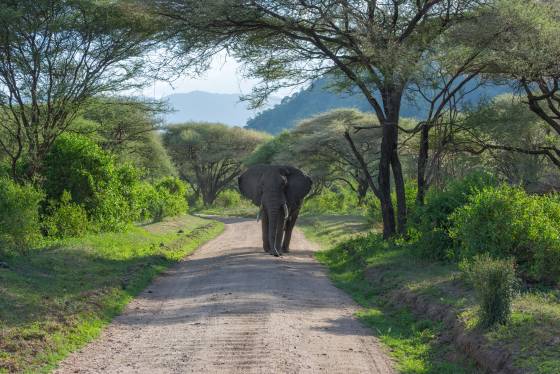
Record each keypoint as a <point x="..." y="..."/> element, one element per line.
<point x="223" y="77"/>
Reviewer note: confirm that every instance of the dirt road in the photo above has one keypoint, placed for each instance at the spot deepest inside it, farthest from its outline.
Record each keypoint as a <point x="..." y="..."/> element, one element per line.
<point x="230" y="308"/>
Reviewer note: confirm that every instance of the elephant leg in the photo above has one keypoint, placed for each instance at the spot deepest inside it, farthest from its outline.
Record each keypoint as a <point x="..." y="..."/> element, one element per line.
<point x="264" y="219"/>
<point x="288" y="231"/>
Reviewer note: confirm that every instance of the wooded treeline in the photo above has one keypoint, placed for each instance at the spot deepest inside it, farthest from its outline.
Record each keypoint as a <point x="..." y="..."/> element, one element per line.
<point x="63" y="63"/>
<point x="431" y="47"/>
<point x="77" y="152"/>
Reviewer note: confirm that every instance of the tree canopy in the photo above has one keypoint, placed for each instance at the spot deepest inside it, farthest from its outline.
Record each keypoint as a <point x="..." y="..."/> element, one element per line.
<point x="330" y="149"/>
<point x="128" y="128"/>
<point x="54" y="56"/>
<point x="210" y="156"/>
<point x="374" y="46"/>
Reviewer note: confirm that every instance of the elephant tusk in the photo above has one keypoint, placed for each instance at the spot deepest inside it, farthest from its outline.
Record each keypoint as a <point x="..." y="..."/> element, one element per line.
<point x="286" y="212"/>
<point x="259" y="213"/>
<point x="275" y="250"/>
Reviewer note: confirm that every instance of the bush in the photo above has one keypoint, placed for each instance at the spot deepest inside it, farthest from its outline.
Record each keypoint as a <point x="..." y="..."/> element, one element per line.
<point x="227" y="199"/>
<point x="506" y="222"/>
<point x="494" y="283"/>
<point x="144" y="201"/>
<point x="66" y="219"/>
<point x="19" y="216"/>
<point x="333" y="200"/>
<point x="432" y="220"/>
<point x="171" y="192"/>
<point x="373" y="206"/>
<point x="77" y="165"/>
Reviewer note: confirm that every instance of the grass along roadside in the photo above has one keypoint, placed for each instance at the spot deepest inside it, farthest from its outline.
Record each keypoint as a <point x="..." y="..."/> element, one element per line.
<point x="413" y="342"/>
<point x="55" y="300"/>
<point x="371" y="272"/>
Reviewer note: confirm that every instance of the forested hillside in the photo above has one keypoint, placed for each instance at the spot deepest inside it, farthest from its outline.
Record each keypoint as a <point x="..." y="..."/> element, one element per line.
<point x="317" y="98"/>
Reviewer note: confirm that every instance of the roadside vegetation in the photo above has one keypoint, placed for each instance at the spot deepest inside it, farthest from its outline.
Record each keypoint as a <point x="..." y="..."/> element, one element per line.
<point x="57" y="298"/>
<point x="94" y="201"/>
<point x="444" y="226"/>
<point x="413" y="341"/>
<point x="492" y="293"/>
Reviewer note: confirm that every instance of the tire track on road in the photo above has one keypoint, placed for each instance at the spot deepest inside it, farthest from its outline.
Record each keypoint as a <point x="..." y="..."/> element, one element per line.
<point x="231" y="308"/>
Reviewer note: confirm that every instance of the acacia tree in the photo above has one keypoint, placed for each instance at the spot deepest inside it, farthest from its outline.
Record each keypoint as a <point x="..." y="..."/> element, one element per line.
<point x="373" y="45"/>
<point x="54" y="56"/>
<point x="323" y="146"/>
<point x="507" y="122"/>
<point x="526" y="50"/>
<point x="442" y="86"/>
<point x="210" y="156"/>
<point x="128" y="128"/>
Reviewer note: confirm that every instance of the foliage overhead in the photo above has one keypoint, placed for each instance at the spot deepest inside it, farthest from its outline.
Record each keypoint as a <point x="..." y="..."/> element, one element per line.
<point x="527" y="49"/>
<point x="373" y="46"/>
<point x="54" y="56"/>
<point x="128" y="128"/>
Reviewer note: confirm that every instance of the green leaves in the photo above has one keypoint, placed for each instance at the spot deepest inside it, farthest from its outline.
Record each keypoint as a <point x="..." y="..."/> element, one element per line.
<point x="56" y="55"/>
<point x="210" y="156"/>
<point x="494" y="283"/>
<point x="507" y="222"/>
<point x="19" y="216"/>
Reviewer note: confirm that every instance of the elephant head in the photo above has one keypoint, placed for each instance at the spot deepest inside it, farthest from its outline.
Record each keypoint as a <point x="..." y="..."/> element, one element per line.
<point x="279" y="192"/>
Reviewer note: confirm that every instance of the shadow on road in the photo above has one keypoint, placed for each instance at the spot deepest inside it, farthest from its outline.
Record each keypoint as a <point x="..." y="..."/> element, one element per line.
<point x="242" y="281"/>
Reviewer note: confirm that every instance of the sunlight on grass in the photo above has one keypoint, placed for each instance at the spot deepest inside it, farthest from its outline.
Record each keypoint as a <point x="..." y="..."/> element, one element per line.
<point x="412" y="342"/>
<point x="532" y="335"/>
<point x="55" y="300"/>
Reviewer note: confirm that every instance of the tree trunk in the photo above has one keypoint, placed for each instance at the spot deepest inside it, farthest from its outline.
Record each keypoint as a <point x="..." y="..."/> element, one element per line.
<point x="14" y="169"/>
<point x="391" y="95"/>
<point x="400" y="192"/>
<point x="208" y="197"/>
<point x="362" y="190"/>
<point x="384" y="181"/>
<point x="422" y="164"/>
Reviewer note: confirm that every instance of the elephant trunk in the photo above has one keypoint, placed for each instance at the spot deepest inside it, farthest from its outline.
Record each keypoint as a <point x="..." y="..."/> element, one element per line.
<point x="276" y="231"/>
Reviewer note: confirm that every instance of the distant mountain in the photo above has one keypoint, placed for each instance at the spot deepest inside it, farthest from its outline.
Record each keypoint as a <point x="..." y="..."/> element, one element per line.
<point x="317" y="99"/>
<point x="209" y="107"/>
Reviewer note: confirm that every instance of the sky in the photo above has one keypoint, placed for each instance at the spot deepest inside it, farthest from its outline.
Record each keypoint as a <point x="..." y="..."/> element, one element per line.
<point x="224" y="76"/>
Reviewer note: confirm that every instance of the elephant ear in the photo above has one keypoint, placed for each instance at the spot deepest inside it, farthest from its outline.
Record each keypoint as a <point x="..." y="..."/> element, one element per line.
<point x="250" y="183"/>
<point x="299" y="186"/>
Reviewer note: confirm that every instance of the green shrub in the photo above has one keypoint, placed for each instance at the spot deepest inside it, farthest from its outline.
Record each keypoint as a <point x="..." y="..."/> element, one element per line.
<point x="507" y="222"/>
<point x="373" y="206"/>
<point x="333" y="200"/>
<point x="227" y="199"/>
<point x="66" y="219"/>
<point x="4" y="169"/>
<point x="373" y="209"/>
<point x="144" y="201"/>
<point x="78" y="165"/>
<point x="494" y="283"/>
<point x="171" y="198"/>
<point x="19" y="216"/>
<point x="431" y="220"/>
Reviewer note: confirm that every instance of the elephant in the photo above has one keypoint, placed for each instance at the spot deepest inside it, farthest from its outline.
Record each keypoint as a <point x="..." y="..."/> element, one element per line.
<point x="278" y="191"/>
